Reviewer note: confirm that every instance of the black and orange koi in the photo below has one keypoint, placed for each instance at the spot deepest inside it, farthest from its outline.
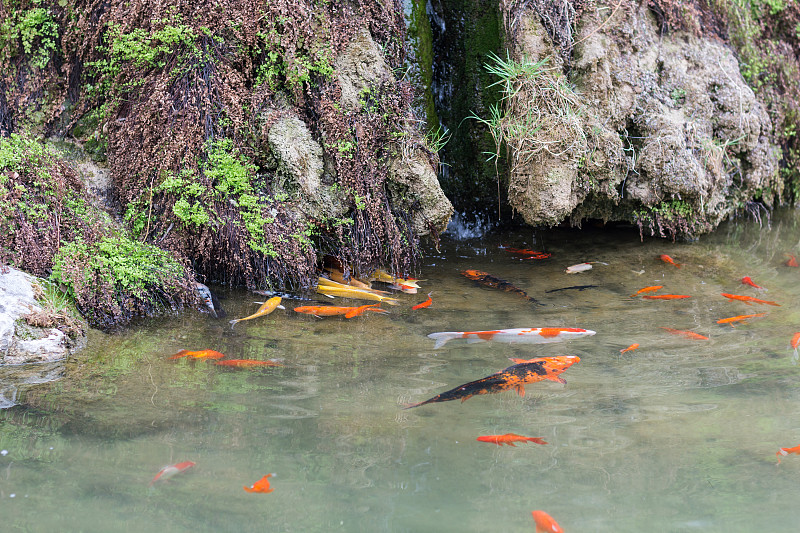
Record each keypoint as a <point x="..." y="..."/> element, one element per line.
<point x="523" y="372"/>
<point x="484" y="278"/>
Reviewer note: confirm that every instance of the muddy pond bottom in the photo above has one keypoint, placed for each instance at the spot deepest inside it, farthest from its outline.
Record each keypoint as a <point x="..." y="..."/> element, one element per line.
<point x="679" y="434"/>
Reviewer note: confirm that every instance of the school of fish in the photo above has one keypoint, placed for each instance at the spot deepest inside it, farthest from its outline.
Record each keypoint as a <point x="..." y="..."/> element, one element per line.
<point x="515" y="377"/>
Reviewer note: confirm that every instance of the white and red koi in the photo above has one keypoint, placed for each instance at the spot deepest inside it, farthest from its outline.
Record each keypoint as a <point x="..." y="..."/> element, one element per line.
<point x="512" y="336"/>
<point x="170" y="470"/>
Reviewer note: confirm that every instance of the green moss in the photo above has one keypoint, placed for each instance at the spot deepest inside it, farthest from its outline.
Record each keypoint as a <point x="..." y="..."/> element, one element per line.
<point x="130" y="267"/>
<point x="32" y="32"/>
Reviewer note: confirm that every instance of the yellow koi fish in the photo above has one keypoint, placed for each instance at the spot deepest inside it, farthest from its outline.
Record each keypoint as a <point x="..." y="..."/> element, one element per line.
<point x="265" y="309"/>
<point x="356" y="294"/>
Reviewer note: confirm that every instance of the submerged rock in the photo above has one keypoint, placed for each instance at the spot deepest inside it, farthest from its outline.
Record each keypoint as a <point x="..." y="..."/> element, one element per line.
<point x="22" y="339"/>
<point x="657" y="129"/>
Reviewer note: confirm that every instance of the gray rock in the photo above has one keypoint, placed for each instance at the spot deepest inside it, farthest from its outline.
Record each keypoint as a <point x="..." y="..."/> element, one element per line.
<point x="21" y="343"/>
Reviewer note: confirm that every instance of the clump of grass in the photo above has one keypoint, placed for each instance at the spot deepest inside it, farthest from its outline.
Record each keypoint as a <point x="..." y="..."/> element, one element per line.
<point x="538" y="112"/>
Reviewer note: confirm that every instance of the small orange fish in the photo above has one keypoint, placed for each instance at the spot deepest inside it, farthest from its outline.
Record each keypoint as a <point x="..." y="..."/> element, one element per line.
<point x="792" y="261"/>
<point x="201" y="354"/>
<point x="262" y="485"/>
<point x="629" y="348"/>
<point x="530" y="254"/>
<point x="510" y="439"/>
<point x="246" y="363"/>
<point x="666" y="296"/>
<point x="739" y="318"/>
<point x="545" y="523"/>
<point x="647" y="289"/>
<point x="668" y="259"/>
<point x="426" y="303"/>
<point x="786" y="451"/>
<point x="748" y="299"/>
<point x="687" y="334"/>
<point x="747" y="281"/>
<point x="169" y="471"/>
<point x="795" y="340"/>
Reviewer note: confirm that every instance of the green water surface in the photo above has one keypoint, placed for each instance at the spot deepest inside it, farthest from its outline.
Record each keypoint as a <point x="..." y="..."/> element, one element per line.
<point x="679" y="435"/>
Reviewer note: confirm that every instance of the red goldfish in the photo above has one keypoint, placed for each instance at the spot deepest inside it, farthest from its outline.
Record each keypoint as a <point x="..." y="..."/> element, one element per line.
<point x="510" y="439"/>
<point x="262" y="485"/>
<point x="629" y="348"/>
<point x="794" y="343"/>
<point x="792" y="261"/>
<point x="523" y="372"/>
<point x="747" y="281"/>
<point x="545" y="523"/>
<point x="530" y="254"/>
<point x="169" y="471"/>
<point x="786" y="451"/>
<point x="687" y="334"/>
<point x="748" y="299"/>
<point x="201" y="354"/>
<point x="426" y="303"/>
<point x="512" y="336"/>
<point x="665" y="296"/>
<point x="647" y="289"/>
<point x="739" y="318"/>
<point x="245" y="363"/>
<point x="668" y="259"/>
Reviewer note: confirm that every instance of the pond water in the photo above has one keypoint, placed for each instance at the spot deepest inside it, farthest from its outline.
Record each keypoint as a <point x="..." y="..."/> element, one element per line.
<point x="678" y="435"/>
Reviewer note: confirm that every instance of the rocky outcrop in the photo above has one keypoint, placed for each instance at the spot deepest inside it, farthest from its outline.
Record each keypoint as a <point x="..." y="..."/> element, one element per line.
<point x="21" y="342"/>
<point x="658" y="129"/>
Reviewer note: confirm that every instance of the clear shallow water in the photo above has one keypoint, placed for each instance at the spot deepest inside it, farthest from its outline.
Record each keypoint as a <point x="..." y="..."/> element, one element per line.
<point x="679" y="435"/>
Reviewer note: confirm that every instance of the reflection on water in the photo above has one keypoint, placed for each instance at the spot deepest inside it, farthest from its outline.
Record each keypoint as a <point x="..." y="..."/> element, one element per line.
<point x="678" y="435"/>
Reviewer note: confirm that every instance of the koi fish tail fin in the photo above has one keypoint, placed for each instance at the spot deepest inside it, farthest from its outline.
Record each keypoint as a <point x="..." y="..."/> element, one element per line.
<point x="442" y="337"/>
<point x="281" y="307"/>
<point x="234" y="322"/>
<point x="520" y="391"/>
<point x="185" y="353"/>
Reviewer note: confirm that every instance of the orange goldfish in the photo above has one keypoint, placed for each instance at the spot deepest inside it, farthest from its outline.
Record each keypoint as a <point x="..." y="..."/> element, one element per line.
<point x="739" y="318"/>
<point x="786" y="451"/>
<point x="665" y="296"/>
<point x="246" y="363"/>
<point x="169" y="471"/>
<point x="747" y="281"/>
<point x="748" y="299"/>
<point x="792" y="261"/>
<point x="201" y="354"/>
<point x="629" y="348"/>
<point x="265" y="309"/>
<point x="794" y="343"/>
<point x="510" y="439"/>
<point x="523" y="372"/>
<point x="647" y="289"/>
<point x="668" y="259"/>
<point x="687" y="334"/>
<point x="545" y="523"/>
<point x="426" y="303"/>
<point x="512" y="336"/>
<point x="262" y="485"/>
<point x="331" y="310"/>
<point x="530" y="254"/>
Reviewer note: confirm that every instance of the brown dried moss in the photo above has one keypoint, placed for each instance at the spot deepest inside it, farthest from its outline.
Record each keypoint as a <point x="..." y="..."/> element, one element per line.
<point x="183" y="93"/>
